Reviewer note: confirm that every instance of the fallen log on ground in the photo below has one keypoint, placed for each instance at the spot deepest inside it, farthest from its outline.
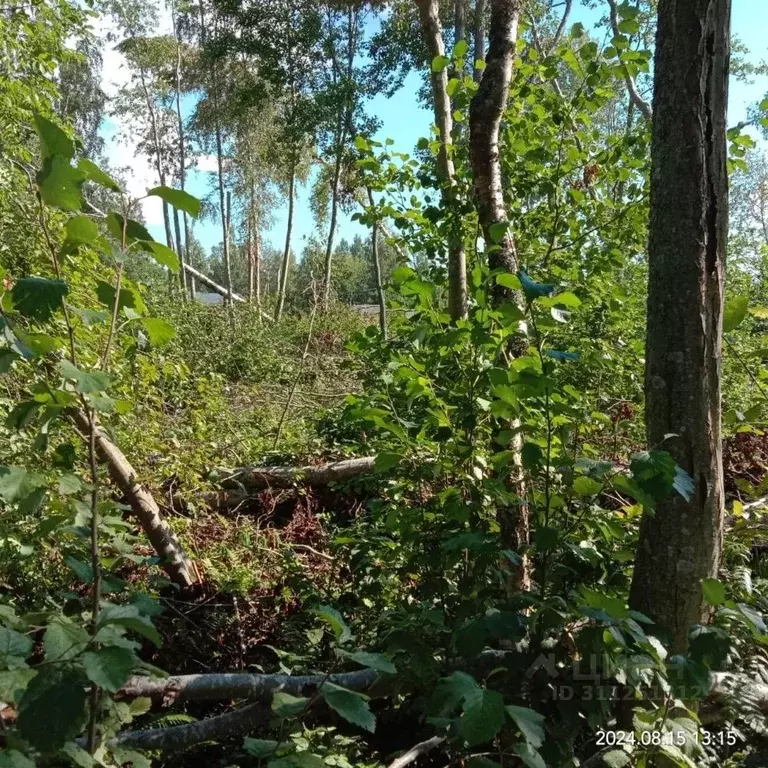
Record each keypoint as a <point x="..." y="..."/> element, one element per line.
<point x="259" y="478"/>
<point x="174" y="560"/>
<point x="258" y="689"/>
<point x="237" y="685"/>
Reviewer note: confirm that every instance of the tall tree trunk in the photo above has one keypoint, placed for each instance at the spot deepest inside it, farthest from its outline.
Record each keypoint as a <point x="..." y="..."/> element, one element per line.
<point x="479" y="48"/>
<point x="256" y="248"/>
<point x="183" y="250"/>
<point x="485" y="113"/>
<point x="460" y="20"/>
<point x="249" y="251"/>
<point x="283" y="274"/>
<point x="222" y="205"/>
<point x="334" y="215"/>
<point x="681" y="543"/>
<point x="158" y="154"/>
<point x="180" y="251"/>
<point x="377" y="269"/>
<point x="457" y="260"/>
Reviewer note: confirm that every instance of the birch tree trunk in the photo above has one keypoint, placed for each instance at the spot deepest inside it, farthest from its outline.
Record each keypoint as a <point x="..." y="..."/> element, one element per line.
<point x="377" y="270"/>
<point x="681" y="543"/>
<point x="485" y="113"/>
<point x="283" y="274"/>
<point x="479" y="35"/>
<point x="183" y="251"/>
<point x="457" y="260"/>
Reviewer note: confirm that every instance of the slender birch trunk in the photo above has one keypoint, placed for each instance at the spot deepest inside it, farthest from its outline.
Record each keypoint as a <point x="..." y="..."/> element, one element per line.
<point x="485" y="113"/>
<point x="377" y="269"/>
<point x="457" y="260"/>
<point x="283" y="274"/>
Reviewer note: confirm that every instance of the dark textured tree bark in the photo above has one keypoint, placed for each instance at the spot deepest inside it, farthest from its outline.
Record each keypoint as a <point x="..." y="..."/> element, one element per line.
<point x="174" y="560"/>
<point x="681" y="543"/>
<point x="485" y="113"/>
<point x="457" y="260"/>
<point x="459" y="20"/>
<point x="479" y="38"/>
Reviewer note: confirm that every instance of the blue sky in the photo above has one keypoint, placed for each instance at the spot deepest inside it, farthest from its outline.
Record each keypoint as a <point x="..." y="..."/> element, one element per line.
<point x="404" y="121"/>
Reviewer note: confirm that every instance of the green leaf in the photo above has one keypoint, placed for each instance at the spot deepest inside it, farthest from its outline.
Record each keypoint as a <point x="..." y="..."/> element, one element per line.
<point x="85" y="381"/>
<point x="97" y="176"/>
<point x="130" y="617"/>
<point x="483" y="716"/>
<point x="60" y="184"/>
<point x="689" y="679"/>
<point x="529" y="722"/>
<point x="713" y="591"/>
<point x="159" y="331"/>
<point x="385" y="461"/>
<point x="179" y="199"/>
<point x="52" y="709"/>
<point x="532" y="289"/>
<point x="734" y="313"/>
<point x="460" y="49"/>
<point x="298" y="760"/>
<point x="586" y="486"/>
<point x="133" y="230"/>
<point x="129" y="297"/>
<point x="14" y="759"/>
<point x="16" y="483"/>
<point x="64" y="640"/>
<point x="335" y="620"/>
<point x="439" y="63"/>
<point x="754" y="618"/>
<point x="509" y="280"/>
<point x="14" y="644"/>
<point x="14" y="682"/>
<point x="376" y="661"/>
<point x="109" y="667"/>
<point x="53" y="140"/>
<point x="498" y="230"/>
<point x="38" y="297"/>
<point x="285" y="705"/>
<point x="260" y="747"/>
<point x="80" y="230"/>
<point x="163" y="255"/>
<point x="362" y="144"/>
<point x="352" y="706"/>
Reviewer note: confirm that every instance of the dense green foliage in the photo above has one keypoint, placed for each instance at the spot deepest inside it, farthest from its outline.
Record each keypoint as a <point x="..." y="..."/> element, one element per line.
<point x="403" y="571"/>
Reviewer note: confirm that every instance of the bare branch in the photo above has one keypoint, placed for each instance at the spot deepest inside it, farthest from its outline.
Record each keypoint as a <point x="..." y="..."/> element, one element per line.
<point x="414" y="753"/>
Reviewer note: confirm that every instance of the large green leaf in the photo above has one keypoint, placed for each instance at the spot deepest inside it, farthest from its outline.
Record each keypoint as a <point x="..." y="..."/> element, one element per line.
<point x="52" y="709"/>
<point x="352" y="706"/>
<point x="64" y="640"/>
<point x="38" y="297"/>
<point x="80" y="230"/>
<point x="129" y="297"/>
<point x="130" y="617"/>
<point x="97" y="176"/>
<point x="14" y="644"/>
<point x="376" y="661"/>
<point x="530" y="756"/>
<point x="53" y="140"/>
<point x="86" y="382"/>
<point x="530" y="723"/>
<point x="483" y="716"/>
<point x="178" y="199"/>
<point x="14" y="759"/>
<point x="260" y="747"/>
<point x="133" y="229"/>
<point x="713" y="591"/>
<point x="287" y="705"/>
<point x="159" y="331"/>
<point x="163" y="255"/>
<point x="60" y="184"/>
<point x="335" y="620"/>
<point x="109" y="667"/>
<point x="734" y="313"/>
<point x="16" y="483"/>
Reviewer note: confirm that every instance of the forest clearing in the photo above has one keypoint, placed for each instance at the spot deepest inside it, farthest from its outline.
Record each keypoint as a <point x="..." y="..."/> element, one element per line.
<point x="321" y="446"/>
